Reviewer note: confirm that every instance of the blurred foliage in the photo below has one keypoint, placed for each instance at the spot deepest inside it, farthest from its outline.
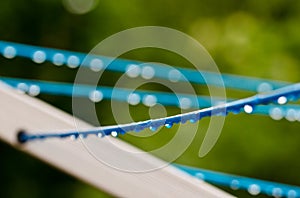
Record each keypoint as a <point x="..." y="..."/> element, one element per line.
<point x="253" y="38"/>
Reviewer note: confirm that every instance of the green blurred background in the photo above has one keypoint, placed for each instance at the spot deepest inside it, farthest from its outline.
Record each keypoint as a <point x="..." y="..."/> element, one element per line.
<point x="253" y="38"/>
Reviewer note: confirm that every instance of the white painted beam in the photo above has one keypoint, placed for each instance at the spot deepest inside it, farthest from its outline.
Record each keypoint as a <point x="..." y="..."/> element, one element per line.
<point x="19" y="111"/>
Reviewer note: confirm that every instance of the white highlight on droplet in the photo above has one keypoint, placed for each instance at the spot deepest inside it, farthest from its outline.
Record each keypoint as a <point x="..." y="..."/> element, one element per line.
<point x="282" y="100"/>
<point x="100" y="135"/>
<point x="96" y="64"/>
<point x="114" y="134"/>
<point x="149" y="100"/>
<point x="73" y="137"/>
<point x="277" y="192"/>
<point x="185" y="103"/>
<point x="200" y="176"/>
<point x="39" y="56"/>
<point x="73" y="61"/>
<point x="291" y="115"/>
<point x="34" y="90"/>
<point x="264" y="87"/>
<point x="148" y="72"/>
<point x="133" y="99"/>
<point x="234" y="185"/>
<point x="292" y="194"/>
<point x="58" y="59"/>
<point x="254" y="189"/>
<point x="22" y="87"/>
<point x="9" y="52"/>
<point x="276" y="113"/>
<point x="96" y="96"/>
<point x="174" y="75"/>
<point x="248" y="109"/>
<point x="133" y="70"/>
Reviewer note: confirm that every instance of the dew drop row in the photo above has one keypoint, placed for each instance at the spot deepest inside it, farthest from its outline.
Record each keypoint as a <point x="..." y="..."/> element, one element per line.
<point x="288" y="93"/>
<point x="134" y="69"/>
<point x="253" y="186"/>
<point x="33" y="88"/>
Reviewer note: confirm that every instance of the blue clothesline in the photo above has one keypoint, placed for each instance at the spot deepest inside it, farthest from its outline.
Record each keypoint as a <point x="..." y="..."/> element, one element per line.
<point x="253" y="186"/>
<point x="119" y="94"/>
<point x="279" y="96"/>
<point x="33" y="87"/>
<point x="133" y="68"/>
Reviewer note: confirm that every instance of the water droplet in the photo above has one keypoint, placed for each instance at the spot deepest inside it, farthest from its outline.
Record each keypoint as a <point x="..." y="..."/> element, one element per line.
<point x="34" y="90"/>
<point x="292" y="194"/>
<point x="114" y="133"/>
<point x="184" y="120"/>
<point x="235" y="110"/>
<point x="133" y="70"/>
<point x="148" y="72"/>
<point x="73" y="137"/>
<point x="22" y="87"/>
<point x="235" y="184"/>
<point x="96" y="96"/>
<point x="174" y="75"/>
<point x="138" y="128"/>
<point x="220" y="112"/>
<point x="73" y="61"/>
<point x="122" y="131"/>
<point x="168" y="125"/>
<point x="153" y="128"/>
<point x="185" y="103"/>
<point x="254" y="189"/>
<point x="291" y="115"/>
<point x="248" y="109"/>
<point x="264" y="87"/>
<point x="96" y="65"/>
<point x="276" y="113"/>
<point x="133" y="99"/>
<point x="100" y="135"/>
<point x="9" y="52"/>
<point x="58" y="59"/>
<point x="200" y="176"/>
<point x="282" y="100"/>
<point x="149" y="100"/>
<point x="192" y="120"/>
<point x="277" y="192"/>
<point x="83" y="136"/>
<point x="39" y="56"/>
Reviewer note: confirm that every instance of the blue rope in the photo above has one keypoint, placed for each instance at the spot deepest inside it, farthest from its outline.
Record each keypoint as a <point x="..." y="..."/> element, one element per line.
<point x="75" y="59"/>
<point x="291" y="112"/>
<point x="253" y="186"/>
<point x="120" y="94"/>
<point x="96" y="63"/>
<point x="280" y="96"/>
